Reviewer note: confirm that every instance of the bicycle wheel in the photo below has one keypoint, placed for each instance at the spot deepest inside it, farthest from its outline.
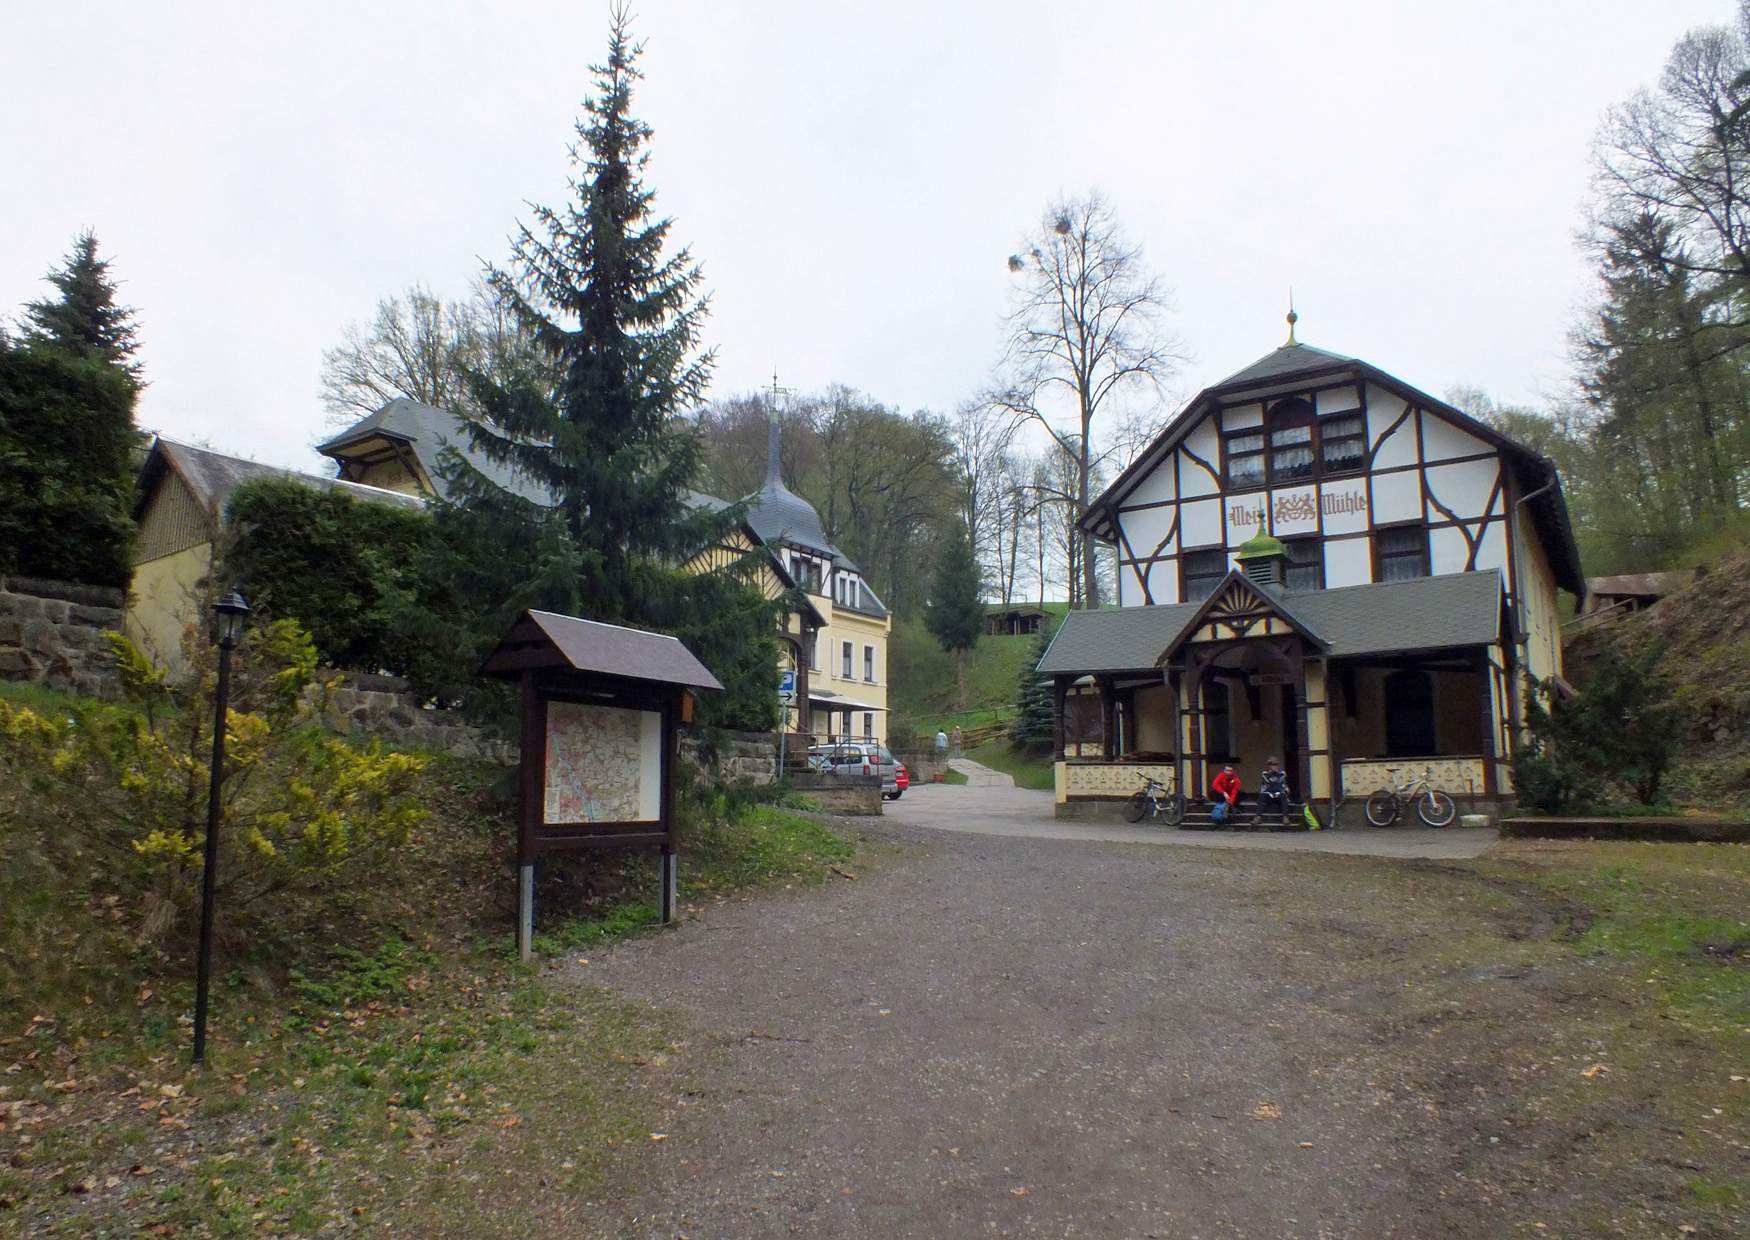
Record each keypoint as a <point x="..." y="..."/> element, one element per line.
<point x="1173" y="812"/>
<point x="1435" y="808"/>
<point x="1136" y="807"/>
<point x="1382" y="808"/>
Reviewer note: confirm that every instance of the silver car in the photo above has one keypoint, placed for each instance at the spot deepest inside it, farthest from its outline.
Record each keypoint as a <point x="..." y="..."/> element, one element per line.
<point x="858" y="758"/>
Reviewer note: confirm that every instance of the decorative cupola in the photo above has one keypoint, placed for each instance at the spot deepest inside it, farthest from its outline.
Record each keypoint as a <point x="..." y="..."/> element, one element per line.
<point x="1263" y="559"/>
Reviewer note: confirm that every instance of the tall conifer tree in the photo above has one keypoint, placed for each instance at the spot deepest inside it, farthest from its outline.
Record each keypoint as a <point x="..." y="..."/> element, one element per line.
<point x="619" y="320"/>
<point x="85" y="318"/>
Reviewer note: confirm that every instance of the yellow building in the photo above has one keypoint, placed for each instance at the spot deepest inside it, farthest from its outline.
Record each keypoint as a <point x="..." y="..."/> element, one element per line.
<point x="836" y="642"/>
<point x="179" y="512"/>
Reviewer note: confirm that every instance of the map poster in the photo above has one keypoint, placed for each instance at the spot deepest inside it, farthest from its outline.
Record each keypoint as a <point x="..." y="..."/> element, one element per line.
<point x="604" y="764"/>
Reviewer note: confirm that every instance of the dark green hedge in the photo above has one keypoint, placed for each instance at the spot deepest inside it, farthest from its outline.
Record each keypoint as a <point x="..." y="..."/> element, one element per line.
<point x="66" y="484"/>
<point x="341" y="567"/>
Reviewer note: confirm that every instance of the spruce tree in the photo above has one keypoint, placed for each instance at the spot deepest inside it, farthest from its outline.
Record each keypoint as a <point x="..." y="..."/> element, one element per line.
<point x="590" y="511"/>
<point x="85" y="319"/>
<point x="620" y="323"/>
<point x="1035" y="721"/>
<point x="955" y="613"/>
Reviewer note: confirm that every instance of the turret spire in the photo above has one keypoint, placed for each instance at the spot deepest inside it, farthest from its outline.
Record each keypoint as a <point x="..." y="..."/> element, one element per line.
<point x="774" y="470"/>
<point x="1293" y="318"/>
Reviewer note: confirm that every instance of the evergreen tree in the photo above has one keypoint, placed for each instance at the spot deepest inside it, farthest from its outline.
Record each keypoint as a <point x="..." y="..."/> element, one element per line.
<point x="589" y="510"/>
<point x="85" y="319"/>
<point x="594" y="292"/>
<point x="955" y="614"/>
<point x="1035" y="721"/>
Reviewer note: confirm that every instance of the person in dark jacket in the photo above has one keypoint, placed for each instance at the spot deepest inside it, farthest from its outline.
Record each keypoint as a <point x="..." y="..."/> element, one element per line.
<point x="1273" y="793"/>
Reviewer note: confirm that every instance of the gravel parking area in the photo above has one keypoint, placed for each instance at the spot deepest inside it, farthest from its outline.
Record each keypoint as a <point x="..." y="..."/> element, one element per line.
<point x="1008" y="1036"/>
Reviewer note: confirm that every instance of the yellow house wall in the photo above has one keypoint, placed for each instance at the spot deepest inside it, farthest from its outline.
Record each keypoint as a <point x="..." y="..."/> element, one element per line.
<point x="164" y="601"/>
<point x="394" y="476"/>
<point x="1154" y="719"/>
<point x="1540" y="602"/>
<point x="1318" y="732"/>
<point x="860" y="630"/>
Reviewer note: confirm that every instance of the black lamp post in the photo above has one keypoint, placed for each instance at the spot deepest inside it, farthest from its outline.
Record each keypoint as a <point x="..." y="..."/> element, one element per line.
<point x="228" y="614"/>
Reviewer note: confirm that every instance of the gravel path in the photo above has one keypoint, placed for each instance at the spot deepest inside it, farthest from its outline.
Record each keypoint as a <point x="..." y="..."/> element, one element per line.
<point x="1017" y="1037"/>
<point x="1026" y="813"/>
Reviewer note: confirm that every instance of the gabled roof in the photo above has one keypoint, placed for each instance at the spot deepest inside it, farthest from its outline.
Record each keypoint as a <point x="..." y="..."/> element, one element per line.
<point x="1281" y="369"/>
<point x="1266" y="600"/>
<point x="427" y="431"/>
<point x="212" y="477"/>
<point x="1393" y="617"/>
<point x="546" y="639"/>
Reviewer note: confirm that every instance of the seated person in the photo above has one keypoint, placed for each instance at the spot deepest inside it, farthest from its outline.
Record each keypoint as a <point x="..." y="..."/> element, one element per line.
<point x="1225" y="789"/>
<point x="1273" y="792"/>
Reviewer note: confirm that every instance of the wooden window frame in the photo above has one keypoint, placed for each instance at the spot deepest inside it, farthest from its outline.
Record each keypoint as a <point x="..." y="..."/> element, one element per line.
<point x="1305" y="540"/>
<point x="868" y="664"/>
<point x="847" y="660"/>
<point x="1285" y="414"/>
<point x="1380" y="559"/>
<point x="1184" y="573"/>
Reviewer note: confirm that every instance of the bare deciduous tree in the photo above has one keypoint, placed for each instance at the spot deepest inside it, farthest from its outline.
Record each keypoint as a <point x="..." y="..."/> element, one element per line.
<point x="1084" y="336"/>
<point x="422" y="347"/>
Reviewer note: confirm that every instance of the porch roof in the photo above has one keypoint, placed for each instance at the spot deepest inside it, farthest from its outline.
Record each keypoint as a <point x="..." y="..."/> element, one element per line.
<point x="1390" y="617"/>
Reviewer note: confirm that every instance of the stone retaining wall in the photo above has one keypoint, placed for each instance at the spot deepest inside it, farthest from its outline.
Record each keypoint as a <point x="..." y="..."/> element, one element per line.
<point x="858" y="795"/>
<point x="386" y="708"/>
<point x="51" y="634"/>
<point x="744" y="758"/>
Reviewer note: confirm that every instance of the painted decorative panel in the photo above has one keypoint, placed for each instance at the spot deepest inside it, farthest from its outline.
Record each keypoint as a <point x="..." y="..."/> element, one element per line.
<point x="1245" y="517"/>
<point x="1397" y="497"/>
<point x="1111" y="779"/>
<point x="1345" y="506"/>
<point x="1458" y="777"/>
<point x="1294" y="510"/>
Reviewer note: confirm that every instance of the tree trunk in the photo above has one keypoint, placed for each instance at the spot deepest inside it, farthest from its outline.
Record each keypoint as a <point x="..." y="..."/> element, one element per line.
<point x="960" y="677"/>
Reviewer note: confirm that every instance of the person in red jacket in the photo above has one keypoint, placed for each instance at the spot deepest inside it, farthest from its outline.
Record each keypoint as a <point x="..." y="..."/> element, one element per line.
<point x="1226" y="787"/>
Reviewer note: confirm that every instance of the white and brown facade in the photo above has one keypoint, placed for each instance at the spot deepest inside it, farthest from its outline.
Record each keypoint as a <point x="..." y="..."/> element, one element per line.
<point x="1377" y="505"/>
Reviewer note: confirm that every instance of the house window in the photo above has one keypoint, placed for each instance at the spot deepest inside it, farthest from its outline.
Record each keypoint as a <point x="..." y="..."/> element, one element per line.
<point x="1409" y="714"/>
<point x="845" y="668"/>
<point x="847" y="724"/>
<point x="1306" y="564"/>
<point x="1343" y="440"/>
<point x="1291" y="441"/>
<point x="1202" y="570"/>
<point x="1400" y="552"/>
<point x="814" y="653"/>
<point x="869" y="664"/>
<point x="868" y="725"/>
<point x="1245" y="459"/>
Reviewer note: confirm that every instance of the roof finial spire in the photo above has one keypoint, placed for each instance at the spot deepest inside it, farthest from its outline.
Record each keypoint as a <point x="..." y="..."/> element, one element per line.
<point x="1293" y="318"/>
<point x="774" y="470"/>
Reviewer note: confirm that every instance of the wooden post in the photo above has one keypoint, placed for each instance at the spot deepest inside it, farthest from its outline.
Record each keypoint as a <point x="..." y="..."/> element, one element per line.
<point x="1057" y="697"/>
<point x="671" y="746"/>
<point x="1194" y="712"/>
<point x="1297" y="662"/>
<point x="530" y="777"/>
<point x="1486" y="678"/>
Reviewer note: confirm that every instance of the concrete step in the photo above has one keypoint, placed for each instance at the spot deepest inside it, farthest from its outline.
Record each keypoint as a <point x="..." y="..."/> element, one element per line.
<point x="1197" y="818"/>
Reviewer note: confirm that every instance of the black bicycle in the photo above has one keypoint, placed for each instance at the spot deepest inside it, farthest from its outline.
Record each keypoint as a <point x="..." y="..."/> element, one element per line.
<point x="1155" y="799"/>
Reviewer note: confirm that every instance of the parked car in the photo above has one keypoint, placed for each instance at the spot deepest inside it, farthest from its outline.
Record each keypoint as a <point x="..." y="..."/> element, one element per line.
<point x="858" y="758"/>
<point x="901" y="781"/>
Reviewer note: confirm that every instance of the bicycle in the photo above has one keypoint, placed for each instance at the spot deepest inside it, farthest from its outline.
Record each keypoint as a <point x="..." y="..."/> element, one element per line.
<point x="1433" y="806"/>
<point x="1154" y="799"/>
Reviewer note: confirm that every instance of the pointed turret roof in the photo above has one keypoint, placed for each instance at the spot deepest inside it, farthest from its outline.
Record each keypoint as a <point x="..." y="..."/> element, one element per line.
<point x="778" y="514"/>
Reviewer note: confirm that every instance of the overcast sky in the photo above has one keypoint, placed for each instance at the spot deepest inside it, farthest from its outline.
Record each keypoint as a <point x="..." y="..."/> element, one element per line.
<point x="852" y="176"/>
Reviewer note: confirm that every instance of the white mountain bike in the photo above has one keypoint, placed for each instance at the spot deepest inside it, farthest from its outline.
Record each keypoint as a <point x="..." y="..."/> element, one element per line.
<point x="1433" y="806"/>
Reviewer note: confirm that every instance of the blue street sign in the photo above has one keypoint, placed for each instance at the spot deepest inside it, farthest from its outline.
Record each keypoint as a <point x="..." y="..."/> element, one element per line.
<point x="787" y="683"/>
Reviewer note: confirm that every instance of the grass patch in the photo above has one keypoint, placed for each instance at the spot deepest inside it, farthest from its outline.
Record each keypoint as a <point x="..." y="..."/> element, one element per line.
<point x="1029" y="770"/>
<point x="952" y="776"/>
<point x="391" y="1069"/>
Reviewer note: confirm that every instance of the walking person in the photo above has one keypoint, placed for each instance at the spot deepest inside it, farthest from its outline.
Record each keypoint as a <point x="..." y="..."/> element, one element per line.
<point x="957" y="740"/>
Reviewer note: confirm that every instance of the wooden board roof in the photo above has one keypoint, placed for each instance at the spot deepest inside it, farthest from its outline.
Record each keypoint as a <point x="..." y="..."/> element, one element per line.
<point x="545" y="640"/>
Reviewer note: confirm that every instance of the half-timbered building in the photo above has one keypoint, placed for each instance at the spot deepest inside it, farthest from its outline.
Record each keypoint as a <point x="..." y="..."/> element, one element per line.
<point x="1320" y="563"/>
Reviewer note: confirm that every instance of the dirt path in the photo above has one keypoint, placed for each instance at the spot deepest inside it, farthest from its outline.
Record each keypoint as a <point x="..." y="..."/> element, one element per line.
<point x="1020" y="1037"/>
